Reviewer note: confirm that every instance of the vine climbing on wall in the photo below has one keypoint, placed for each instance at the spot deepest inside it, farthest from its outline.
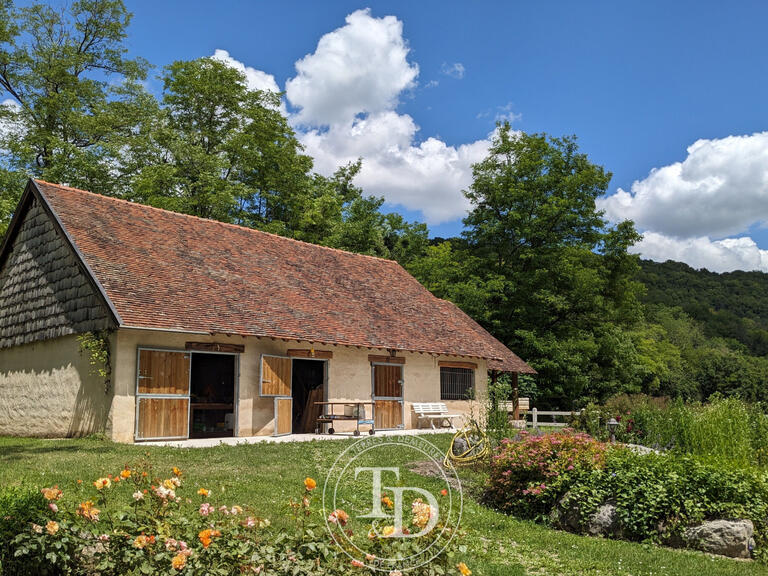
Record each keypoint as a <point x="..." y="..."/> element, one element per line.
<point x="99" y="349"/>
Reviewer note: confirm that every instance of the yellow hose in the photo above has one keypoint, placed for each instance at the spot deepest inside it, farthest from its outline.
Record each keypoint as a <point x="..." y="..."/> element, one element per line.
<point x="478" y="446"/>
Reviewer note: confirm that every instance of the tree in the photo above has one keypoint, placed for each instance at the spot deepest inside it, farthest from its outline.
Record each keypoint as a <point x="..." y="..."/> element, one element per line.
<point x="75" y="98"/>
<point x="219" y="150"/>
<point x="550" y="278"/>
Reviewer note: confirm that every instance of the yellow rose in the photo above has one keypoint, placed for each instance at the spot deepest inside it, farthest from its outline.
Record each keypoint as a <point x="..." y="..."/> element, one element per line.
<point x="52" y="527"/>
<point x="102" y="483"/>
<point x="179" y="561"/>
<point x="463" y="569"/>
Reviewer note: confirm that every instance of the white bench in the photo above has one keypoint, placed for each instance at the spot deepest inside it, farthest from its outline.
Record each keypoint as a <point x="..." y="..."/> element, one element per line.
<point x="434" y="411"/>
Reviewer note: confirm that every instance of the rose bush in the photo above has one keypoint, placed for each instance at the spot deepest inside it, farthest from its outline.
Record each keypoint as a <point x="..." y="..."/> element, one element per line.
<point x="138" y="522"/>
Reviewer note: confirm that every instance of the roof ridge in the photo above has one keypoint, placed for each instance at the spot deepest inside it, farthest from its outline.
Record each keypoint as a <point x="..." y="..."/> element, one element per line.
<point x="211" y="220"/>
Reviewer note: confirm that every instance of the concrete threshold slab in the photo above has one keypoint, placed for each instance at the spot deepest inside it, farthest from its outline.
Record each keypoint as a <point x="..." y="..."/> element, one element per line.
<point x="211" y="442"/>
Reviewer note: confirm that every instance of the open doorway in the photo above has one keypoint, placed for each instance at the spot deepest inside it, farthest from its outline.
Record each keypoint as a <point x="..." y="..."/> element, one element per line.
<point x="212" y="394"/>
<point x="308" y="388"/>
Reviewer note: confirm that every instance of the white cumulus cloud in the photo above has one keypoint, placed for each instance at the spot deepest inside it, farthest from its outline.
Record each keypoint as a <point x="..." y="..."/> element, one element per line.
<point x="720" y="189"/>
<point x="690" y="211"/>
<point x="359" y="68"/>
<point x="701" y="252"/>
<point x="256" y="79"/>
<point x="344" y="100"/>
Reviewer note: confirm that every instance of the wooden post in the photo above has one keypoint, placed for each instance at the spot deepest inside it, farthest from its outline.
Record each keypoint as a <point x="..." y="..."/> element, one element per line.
<point x="515" y="397"/>
<point x="535" y="418"/>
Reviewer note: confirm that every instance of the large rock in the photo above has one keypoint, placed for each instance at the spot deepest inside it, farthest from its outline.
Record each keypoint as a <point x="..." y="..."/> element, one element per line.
<point x="605" y="522"/>
<point x="725" y="537"/>
<point x="565" y="514"/>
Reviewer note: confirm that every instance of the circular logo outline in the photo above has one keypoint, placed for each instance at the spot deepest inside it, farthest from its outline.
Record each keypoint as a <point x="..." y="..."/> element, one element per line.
<point x="362" y="446"/>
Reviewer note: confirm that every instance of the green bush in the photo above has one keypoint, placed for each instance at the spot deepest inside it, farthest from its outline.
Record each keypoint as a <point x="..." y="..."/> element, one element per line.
<point x="18" y="507"/>
<point x="657" y="496"/>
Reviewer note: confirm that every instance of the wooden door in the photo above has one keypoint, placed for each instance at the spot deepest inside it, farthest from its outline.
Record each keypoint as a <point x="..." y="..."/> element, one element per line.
<point x="283" y="416"/>
<point x="162" y="395"/>
<point x="276" y="375"/>
<point x="388" y="396"/>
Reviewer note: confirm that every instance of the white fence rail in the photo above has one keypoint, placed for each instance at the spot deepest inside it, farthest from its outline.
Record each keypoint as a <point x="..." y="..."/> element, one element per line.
<point x="553" y="415"/>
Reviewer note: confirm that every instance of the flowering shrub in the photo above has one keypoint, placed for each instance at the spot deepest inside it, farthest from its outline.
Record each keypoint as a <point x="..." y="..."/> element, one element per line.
<point x="136" y="522"/>
<point x="529" y="475"/>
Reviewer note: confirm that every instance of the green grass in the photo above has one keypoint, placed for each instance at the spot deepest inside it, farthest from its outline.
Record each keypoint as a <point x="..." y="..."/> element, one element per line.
<point x="265" y="476"/>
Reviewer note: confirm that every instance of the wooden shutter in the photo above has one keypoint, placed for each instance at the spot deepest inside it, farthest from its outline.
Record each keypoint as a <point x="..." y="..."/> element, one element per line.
<point x="162" y="372"/>
<point x="275" y="376"/>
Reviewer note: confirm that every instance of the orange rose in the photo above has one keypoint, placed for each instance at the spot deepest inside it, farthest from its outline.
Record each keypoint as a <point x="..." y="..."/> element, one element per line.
<point x="125" y="474"/>
<point x="87" y="511"/>
<point x="51" y="493"/>
<point x="310" y="484"/>
<point x="179" y="561"/>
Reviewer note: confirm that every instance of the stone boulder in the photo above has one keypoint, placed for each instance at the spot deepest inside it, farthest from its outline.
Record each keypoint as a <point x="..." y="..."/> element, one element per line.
<point x="732" y="538"/>
<point x="605" y="522"/>
<point x="565" y="514"/>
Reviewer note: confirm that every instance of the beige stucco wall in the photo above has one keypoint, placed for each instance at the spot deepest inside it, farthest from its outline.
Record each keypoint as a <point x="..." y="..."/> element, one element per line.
<point x="349" y="378"/>
<point x="46" y="389"/>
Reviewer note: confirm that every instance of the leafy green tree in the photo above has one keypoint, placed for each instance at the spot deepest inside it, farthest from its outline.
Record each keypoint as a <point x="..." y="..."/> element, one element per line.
<point x="76" y="98"/>
<point x="219" y="150"/>
<point x="546" y="274"/>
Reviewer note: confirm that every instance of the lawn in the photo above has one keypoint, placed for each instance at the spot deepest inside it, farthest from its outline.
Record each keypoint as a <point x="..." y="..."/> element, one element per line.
<point x="265" y="476"/>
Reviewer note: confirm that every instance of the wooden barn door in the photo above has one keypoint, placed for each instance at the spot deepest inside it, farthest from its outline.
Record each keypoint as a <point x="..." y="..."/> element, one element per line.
<point x="283" y="416"/>
<point x="162" y="395"/>
<point x="388" y="396"/>
<point x="276" y="378"/>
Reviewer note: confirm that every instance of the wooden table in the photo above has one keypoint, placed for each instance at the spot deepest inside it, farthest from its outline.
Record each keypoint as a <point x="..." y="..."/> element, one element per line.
<point x="330" y="418"/>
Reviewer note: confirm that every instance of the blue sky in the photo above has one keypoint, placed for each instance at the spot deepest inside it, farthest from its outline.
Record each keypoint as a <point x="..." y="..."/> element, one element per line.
<point x="637" y="83"/>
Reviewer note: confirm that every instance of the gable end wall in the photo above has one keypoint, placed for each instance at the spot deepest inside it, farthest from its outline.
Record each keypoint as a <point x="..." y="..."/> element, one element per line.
<point x="44" y="293"/>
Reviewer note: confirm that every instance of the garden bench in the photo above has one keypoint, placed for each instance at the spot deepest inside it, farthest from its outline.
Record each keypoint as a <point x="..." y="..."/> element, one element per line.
<point x="434" y="411"/>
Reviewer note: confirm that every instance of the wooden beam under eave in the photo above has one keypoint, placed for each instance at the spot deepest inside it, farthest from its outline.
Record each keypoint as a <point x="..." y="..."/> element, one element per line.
<point x="308" y="353"/>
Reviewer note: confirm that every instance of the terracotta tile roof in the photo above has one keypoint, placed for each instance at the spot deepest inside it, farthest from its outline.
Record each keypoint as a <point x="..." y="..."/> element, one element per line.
<point x="166" y="270"/>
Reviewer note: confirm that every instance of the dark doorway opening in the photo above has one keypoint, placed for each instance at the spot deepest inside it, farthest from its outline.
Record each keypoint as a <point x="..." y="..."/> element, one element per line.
<point x="212" y="392"/>
<point x="308" y="387"/>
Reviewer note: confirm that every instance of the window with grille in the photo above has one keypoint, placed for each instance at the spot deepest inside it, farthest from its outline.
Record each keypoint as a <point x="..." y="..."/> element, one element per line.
<point x="456" y="383"/>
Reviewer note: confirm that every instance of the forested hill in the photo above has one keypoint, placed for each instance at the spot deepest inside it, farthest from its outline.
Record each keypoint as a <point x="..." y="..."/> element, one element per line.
<point x="729" y="305"/>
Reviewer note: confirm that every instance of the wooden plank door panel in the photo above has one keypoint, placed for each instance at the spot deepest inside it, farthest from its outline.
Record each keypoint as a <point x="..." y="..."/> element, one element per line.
<point x="163" y="417"/>
<point x="283" y="416"/>
<point x="387" y="381"/>
<point x="162" y="372"/>
<point x="388" y="396"/>
<point x="389" y="414"/>
<point x="162" y="394"/>
<point x="275" y="376"/>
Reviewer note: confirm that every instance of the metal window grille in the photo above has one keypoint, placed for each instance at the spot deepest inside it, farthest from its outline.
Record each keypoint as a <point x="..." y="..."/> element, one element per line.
<point x="456" y="383"/>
